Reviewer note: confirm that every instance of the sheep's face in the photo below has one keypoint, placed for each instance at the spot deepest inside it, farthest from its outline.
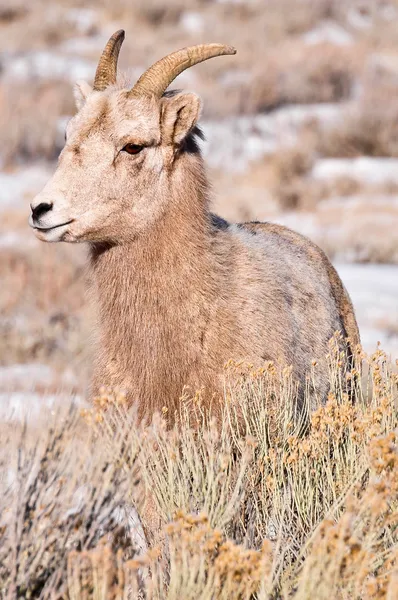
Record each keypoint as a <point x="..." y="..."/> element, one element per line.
<point x="113" y="176"/>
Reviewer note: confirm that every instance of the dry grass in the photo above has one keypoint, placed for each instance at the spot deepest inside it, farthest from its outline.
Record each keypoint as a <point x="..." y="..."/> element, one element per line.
<point x="56" y="497"/>
<point x="230" y="510"/>
<point x="29" y="121"/>
<point x="370" y="127"/>
<point x="273" y="67"/>
<point x="45" y="315"/>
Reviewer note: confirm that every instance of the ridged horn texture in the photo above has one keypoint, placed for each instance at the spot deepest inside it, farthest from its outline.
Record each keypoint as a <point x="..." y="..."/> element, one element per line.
<point x="157" y="78"/>
<point x="107" y="67"/>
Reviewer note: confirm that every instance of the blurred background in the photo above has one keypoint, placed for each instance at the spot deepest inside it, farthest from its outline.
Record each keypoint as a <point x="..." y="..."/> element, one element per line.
<point x="301" y="128"/>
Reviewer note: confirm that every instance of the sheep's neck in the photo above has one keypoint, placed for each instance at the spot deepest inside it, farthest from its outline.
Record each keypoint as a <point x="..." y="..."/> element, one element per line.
<point x="153" y="296"/>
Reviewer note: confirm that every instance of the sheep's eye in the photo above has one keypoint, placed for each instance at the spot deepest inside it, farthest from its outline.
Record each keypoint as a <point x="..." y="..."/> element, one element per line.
<point x="132" y="148"/>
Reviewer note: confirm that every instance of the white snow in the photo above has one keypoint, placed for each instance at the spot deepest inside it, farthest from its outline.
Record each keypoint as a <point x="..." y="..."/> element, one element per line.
<point x="48" y="65"/>
<point x="16" y="239"/>
<point x="383" y="61"/>
<point x="329" y="32"/>
<point x="31" y="373"/>
<point x="83" y="46"/>
<point x="375" y="203"/>
<point x="359" y="19"/>
<point x="364" y="169"/>
<point x="374" y="292"/>
<point x="388" y="11"/>
<point x="234" y="142"/>
<point x="20" y="185"/>
<point x="19" y="406"/>
<point x="84" y="19"/>
<point x="26" y="376"/>
<point x="192" y="22"/>
<point x="232" y="77"/>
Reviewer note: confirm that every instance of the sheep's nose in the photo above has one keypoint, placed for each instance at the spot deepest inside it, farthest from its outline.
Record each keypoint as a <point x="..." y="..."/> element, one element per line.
<point x="40" y="210"/>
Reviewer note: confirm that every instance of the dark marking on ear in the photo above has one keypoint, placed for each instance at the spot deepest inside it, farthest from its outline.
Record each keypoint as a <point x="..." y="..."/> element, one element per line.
<point x="190" y="144"/>
<point x="171" y="93"/>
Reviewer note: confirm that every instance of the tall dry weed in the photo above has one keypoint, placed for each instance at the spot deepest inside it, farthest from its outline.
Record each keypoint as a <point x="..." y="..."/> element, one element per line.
<point x="259" y="504"/>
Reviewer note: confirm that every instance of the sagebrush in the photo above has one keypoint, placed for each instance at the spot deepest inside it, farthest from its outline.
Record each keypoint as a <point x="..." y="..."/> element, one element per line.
<point x="267" y="506"/>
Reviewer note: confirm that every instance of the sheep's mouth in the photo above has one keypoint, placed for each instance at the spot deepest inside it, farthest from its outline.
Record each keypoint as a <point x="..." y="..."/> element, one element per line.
<point x="44" y="229"/>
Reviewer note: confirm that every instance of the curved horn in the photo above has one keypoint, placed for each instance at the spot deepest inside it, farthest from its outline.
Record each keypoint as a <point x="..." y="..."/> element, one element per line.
<point x="157" y="78"/>
<point x="107" y="66"/>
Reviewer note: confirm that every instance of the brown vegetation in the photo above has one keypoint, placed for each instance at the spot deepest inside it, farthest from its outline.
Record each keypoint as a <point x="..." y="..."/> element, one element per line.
<point x="275" y="66"/>
<point x="265" y="511"/>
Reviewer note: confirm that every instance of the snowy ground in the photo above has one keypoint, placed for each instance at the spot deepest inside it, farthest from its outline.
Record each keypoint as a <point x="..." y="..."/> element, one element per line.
<point x="374" y="291"/>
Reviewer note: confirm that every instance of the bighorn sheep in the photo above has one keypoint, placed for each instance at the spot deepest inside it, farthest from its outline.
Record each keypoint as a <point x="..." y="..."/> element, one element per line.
<point x="179" y="291"/>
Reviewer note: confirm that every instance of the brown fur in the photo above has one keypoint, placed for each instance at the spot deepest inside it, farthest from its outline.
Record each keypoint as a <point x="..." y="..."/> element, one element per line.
<point x="178" y="292"/>
<point x="341" y="297"/>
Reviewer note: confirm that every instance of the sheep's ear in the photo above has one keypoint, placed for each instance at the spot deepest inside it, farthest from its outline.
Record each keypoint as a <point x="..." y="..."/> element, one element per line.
<point x="179" y="115"/>
<point x="80" y="91"/>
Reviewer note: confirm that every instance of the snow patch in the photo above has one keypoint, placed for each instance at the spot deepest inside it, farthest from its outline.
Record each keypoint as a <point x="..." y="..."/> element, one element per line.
<point x="236" y="141"/>
<point x="328" y="32"/>
<point x="192" y="22"/>
<point x="374" y="290"/>
<point x="23" y="182"/>
<point x="359" y="19"/>
<point x="383" y="61"/>
<point x="84" y="19"/>
<point x="367" y="170"/>
<point x="15" y="239"/>
<point x="21" y="406"/>
<point x="26" y="376"/>
<point x="45" y="65"/>
<point x="233" y="77"/>
<point x="35" y="373"/>
<point x="83" y="45"/>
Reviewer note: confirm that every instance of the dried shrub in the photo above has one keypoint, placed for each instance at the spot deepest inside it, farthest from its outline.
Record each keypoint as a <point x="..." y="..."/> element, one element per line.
<point x="351" y="554"/>
<point x="29" y="119"/>
<point x="201" y="564"/>
<point x="260" y="509"/>
<point x="289" y="168"/>
<point x="63" y="493"/>
<point x="11" y="11"/>
<point x="370" y="128"/>
<point x="43" y="306"/>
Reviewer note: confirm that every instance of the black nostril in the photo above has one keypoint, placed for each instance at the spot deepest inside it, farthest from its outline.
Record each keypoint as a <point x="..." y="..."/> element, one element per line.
<point x="40" y="210"/>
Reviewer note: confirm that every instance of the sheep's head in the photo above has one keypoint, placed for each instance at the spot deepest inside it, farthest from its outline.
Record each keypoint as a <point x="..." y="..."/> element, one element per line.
<point x="120" y="149"/>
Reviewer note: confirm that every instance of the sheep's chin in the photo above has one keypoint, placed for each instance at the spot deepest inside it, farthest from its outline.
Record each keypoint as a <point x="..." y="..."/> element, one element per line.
<point x="55" y="234"/>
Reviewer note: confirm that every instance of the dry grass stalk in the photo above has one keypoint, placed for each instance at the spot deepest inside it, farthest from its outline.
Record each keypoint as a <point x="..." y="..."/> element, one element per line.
<point x="325" y="501"/>
<point x="276" y="508"/>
